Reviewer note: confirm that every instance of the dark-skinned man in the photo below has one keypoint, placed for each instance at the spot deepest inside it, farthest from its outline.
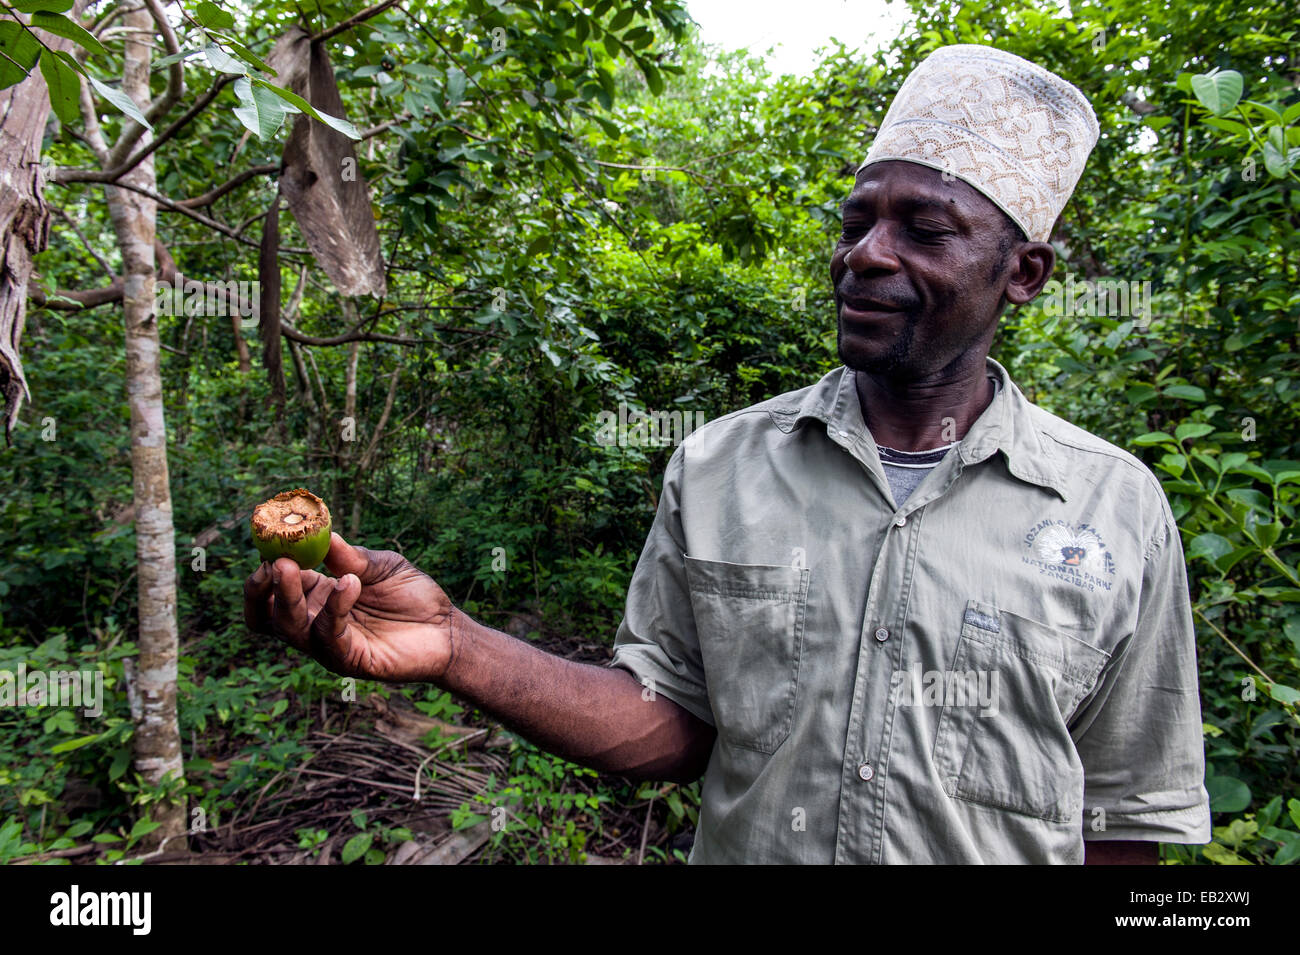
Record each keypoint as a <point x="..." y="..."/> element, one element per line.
<point x="899" y="616"/>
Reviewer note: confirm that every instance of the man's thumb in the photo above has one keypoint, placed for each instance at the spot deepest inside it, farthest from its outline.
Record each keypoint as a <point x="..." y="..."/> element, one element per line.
<point x="343" y="558"/>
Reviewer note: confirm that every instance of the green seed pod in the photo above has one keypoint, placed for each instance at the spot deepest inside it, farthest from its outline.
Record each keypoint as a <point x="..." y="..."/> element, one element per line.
<point x="293" y="524"/>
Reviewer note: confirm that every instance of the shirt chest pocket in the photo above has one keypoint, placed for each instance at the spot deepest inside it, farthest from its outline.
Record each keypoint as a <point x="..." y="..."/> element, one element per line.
<point x="750" y="623"/>
<point x="1012" y="749"/>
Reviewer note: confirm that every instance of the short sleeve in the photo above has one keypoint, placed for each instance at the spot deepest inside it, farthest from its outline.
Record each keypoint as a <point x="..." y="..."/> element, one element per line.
<point x="657" y="641"/>
<point x="1140" y="735"/>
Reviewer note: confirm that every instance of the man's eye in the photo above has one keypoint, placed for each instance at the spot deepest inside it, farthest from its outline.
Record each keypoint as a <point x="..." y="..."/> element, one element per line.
<point x="927" y="235"/>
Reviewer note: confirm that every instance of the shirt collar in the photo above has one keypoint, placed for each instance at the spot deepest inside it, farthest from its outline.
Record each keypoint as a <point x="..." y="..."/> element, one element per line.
<point x="1007" y="424"/>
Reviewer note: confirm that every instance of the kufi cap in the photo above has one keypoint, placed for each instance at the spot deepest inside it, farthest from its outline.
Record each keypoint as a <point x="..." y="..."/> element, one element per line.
<point x="1013" y="130"/>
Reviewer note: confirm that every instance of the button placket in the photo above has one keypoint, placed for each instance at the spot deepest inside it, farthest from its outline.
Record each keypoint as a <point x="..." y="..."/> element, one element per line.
<point x="866" y="751"/>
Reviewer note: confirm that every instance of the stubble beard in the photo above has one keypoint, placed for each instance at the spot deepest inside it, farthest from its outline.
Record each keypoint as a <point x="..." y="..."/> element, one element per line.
<point x="897" y="360"/>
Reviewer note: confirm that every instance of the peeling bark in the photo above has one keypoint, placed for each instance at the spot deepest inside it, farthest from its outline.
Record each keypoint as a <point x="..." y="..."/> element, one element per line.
<point x="327" y="194"/>
<point x="24" y="220"/>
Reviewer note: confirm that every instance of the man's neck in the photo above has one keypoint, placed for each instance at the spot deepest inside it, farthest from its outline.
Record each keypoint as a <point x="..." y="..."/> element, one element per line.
<point x="918" y="415"/>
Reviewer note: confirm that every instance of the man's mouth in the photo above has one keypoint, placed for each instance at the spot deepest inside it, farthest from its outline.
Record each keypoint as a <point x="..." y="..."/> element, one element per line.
<point x="865" y="308"/>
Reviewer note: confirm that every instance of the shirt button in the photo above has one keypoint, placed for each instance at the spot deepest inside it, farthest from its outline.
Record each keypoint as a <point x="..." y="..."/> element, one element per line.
<point x="882" y="634"/>
<point x="866" y="772"/>
<point x="842" y="434"/>
<point x="900" y="521"/>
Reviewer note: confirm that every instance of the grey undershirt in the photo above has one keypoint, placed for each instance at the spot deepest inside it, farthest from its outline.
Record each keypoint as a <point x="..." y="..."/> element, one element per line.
<point x="905" y="470"/>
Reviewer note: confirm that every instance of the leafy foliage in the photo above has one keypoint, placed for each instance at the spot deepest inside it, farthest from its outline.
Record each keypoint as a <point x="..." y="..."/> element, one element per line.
<point x="581" y="208"/>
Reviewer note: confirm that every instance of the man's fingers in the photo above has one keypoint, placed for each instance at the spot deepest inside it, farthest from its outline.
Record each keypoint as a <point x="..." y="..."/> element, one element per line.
<point x="330" y="628"/>
<point x="289" y="614"/>
<point x="257" y="593"/>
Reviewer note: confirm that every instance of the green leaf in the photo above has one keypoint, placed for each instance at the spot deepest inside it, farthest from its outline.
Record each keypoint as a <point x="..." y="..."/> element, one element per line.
<point x="455" y="85"/>
<point x="654" y="79"/>
<point x="50" y="6"/>
<point x="1292" y="630"/>
<point x="1284" y="694"/>
<point x="1255" y="500"/>
<point x="143" y="827"/>
<point x="19" y="46"/>
<point x="356" y="847"/>
<point x="1277" y="161"/>
<point x="69" y="745"/>
<point x="1227" y="794"/>
<point x="64" y="90"/>
<point x="260" y="109"/>
<point x="293" y="99"/>
<point x="1209" y="546"/>
<point x="1218" y="91"/>
<point x="247" y="55"/>
<point x="1222" y="855"/>
<point x="83" y="826"/>
<point x="1188" y="392"/>
<point x="1266" y="111"/>
<point x="1192" y="429"/>
<point x="60" y="25"/>
<point x="211" y="15"/>
<point x="1154" y="437"/>
<point x="223" y="62"/>
<point x="121" y="101"/>
<point x="1290" y="850"/>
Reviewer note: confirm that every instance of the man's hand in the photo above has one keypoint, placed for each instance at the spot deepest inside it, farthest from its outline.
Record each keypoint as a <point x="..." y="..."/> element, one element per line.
<point x="378" y="618"/>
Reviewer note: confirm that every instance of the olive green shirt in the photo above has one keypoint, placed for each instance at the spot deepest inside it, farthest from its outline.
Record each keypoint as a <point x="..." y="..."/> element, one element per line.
<point x="993" y="672"/>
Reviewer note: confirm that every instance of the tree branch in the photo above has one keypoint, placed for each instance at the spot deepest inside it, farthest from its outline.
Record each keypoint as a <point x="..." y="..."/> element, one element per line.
<point x="212" y="195"/>
<point x="175" y="72"/>
<point x="94" y="137"/>
<point x="352" y="21"/>
<point x="116" y="172"/>
<point x="199" y="217"/>
<point x="359" y="336"/>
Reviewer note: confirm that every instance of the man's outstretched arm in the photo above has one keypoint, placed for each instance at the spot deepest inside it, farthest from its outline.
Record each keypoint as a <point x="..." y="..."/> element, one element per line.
<point x="381" y="618"/>
<point x="592" y="715"/>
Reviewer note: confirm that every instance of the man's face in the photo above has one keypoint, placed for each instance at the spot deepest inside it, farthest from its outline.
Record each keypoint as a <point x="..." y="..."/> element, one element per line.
<point x="918" y="271"/>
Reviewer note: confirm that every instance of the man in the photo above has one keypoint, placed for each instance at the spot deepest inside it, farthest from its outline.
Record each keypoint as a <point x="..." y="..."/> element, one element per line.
<point x="901" y="615"/>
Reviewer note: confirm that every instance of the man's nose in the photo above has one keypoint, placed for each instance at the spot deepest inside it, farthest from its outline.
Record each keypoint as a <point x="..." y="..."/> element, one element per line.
<point x="874" y="251"/>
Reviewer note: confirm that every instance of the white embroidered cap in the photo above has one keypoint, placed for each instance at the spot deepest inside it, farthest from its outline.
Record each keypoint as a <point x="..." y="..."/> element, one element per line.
<point x="1013" y="130"/>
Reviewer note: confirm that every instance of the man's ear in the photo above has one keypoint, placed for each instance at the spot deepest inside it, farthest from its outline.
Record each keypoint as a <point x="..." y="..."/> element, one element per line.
<point x="1031" y="270"/>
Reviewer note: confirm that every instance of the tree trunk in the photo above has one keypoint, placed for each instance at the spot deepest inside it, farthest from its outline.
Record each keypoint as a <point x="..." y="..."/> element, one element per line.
<point x="24" y="219"/>
<point x="157" y="744"/>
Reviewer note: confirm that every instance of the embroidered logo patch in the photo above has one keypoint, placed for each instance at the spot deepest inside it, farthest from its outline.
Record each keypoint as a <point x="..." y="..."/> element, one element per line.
<point x="1074" y="552"/>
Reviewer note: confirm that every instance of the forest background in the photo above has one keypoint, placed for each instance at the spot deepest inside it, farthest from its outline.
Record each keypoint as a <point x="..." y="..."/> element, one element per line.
<point x="566" y="210"/>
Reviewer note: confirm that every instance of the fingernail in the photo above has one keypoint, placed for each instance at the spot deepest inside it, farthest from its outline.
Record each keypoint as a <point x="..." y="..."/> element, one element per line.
<point x="340" y="584"/>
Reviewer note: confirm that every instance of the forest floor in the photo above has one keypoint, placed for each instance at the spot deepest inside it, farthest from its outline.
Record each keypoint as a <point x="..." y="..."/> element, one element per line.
<point x="385" y="766"/>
